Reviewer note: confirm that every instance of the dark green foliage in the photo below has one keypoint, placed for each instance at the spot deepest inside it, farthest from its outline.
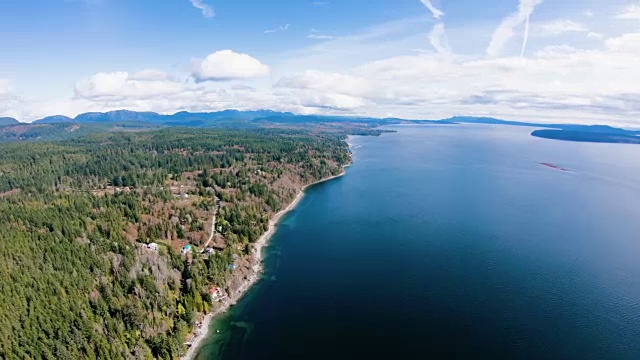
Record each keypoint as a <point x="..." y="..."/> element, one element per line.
<point x="75" y="286"/>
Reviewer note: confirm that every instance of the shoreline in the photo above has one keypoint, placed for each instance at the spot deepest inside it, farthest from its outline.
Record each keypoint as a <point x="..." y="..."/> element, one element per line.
<point x="203" y="331"/>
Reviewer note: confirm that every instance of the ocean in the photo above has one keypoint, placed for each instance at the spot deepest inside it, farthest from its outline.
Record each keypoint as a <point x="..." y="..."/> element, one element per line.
<point x="453" y="242"/>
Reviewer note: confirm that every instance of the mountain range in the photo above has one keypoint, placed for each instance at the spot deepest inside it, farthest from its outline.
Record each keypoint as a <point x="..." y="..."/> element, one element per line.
<point x="60" y="126"/>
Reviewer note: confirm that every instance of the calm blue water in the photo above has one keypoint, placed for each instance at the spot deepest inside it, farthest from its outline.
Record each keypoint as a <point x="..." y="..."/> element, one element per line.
<point x="453" y="242"/>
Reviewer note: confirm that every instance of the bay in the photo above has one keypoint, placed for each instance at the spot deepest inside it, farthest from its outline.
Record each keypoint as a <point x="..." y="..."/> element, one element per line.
<point x="453" y="242"/>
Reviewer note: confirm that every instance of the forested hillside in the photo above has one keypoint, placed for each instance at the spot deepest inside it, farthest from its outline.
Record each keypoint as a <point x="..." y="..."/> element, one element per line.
<point x="79" y="279"/>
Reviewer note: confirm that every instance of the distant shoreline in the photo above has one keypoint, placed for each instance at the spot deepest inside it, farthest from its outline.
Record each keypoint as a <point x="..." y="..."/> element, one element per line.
<point x="256" y="267"/>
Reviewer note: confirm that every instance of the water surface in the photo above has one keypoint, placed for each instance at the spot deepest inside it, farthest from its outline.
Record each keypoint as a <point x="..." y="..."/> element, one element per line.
<point x="453" y="242"/>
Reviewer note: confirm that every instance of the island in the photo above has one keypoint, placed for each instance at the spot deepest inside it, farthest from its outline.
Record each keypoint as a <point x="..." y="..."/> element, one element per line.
<point x="588" y="136"/>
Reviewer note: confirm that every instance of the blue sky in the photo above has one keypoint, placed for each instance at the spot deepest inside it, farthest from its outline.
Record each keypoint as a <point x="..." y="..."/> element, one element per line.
<point x="406" y="58"/>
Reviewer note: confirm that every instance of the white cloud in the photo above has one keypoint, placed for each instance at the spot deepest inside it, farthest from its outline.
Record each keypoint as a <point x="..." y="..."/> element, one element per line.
<point x="150" y="75"/>
<point x="324" y="90"/>
<point x="436" y="39"/>
<point x="11" y="105"/>
<point x="558" y="82"/>
<point x="316" y="35"/>
<point x="375" y="73"/>
<point x="558" y="27"/>
<point x="437" y="14"/>
<point x="627" y="43"/>
<point x="145" y="84"/>
<point x="631" y="12"/>
<point x="588" y="13"/>
<point x="228" y="65"/>
<point x="5" y="86"/>
<point x="207" y="11"/>
<point x="595" y="35"/>
<point x="326" y="81"/>
<point x="319" y="37"/>
<point x="279" y="28"/>
<point x="504" y="32"/>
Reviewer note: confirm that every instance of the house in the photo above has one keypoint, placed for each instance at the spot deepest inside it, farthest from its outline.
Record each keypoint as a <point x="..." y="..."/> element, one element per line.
<point x="186" y="249"/>
<point x="210" y="251"/>
<point x="232" y="267"/>
<point x="216" y="293"/>
<point x="152" y="246"/>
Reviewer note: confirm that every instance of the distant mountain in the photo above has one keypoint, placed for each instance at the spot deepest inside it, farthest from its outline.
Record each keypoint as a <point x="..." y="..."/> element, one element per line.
<point x="61" y="127"/>
<point x="182" y="118"/>
<point x="56" y="119"/>
<point x="600" y="129"/>
<point x="491" y="121"/>
<point x="117" y="116"/>
<point x="8" y="121"/>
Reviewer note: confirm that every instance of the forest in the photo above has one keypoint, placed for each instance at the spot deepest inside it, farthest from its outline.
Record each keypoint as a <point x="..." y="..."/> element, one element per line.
<point x="78" y="215"/>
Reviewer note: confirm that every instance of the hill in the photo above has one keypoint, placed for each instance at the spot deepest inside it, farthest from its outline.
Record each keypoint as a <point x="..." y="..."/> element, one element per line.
<point x="56" y="119"/>
<point x="8" y="121"/>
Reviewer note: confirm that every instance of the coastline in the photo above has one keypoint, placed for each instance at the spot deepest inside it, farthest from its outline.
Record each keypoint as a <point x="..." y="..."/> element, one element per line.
<point x="203" y="331"/>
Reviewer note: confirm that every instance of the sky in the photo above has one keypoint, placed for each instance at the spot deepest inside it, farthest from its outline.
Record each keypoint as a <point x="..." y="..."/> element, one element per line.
<point x="573" y="61"/>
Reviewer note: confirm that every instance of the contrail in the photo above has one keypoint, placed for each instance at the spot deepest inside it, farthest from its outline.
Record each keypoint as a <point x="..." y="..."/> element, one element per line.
<point x="504" y="32"/>
<point x="526" y="37"/>
<point x="437" y="14"/>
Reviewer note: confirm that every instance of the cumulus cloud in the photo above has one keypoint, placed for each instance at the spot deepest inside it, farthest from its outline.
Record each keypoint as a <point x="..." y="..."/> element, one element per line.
<point x="145" y="84"/>
<point x="437" y="14"/>
<point x="151" y="75"/>
<point x="228" y="65"/>
<point x="207" y="11"/>
<point x="627" y="43"/>
<point x="505" y="31"/>
<point x="556" y="82"/>
<point x="559" y="82"/>
<point x="631" y="12"/>
<point x="319" y="89"/>
<point x="326" y="81"/>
